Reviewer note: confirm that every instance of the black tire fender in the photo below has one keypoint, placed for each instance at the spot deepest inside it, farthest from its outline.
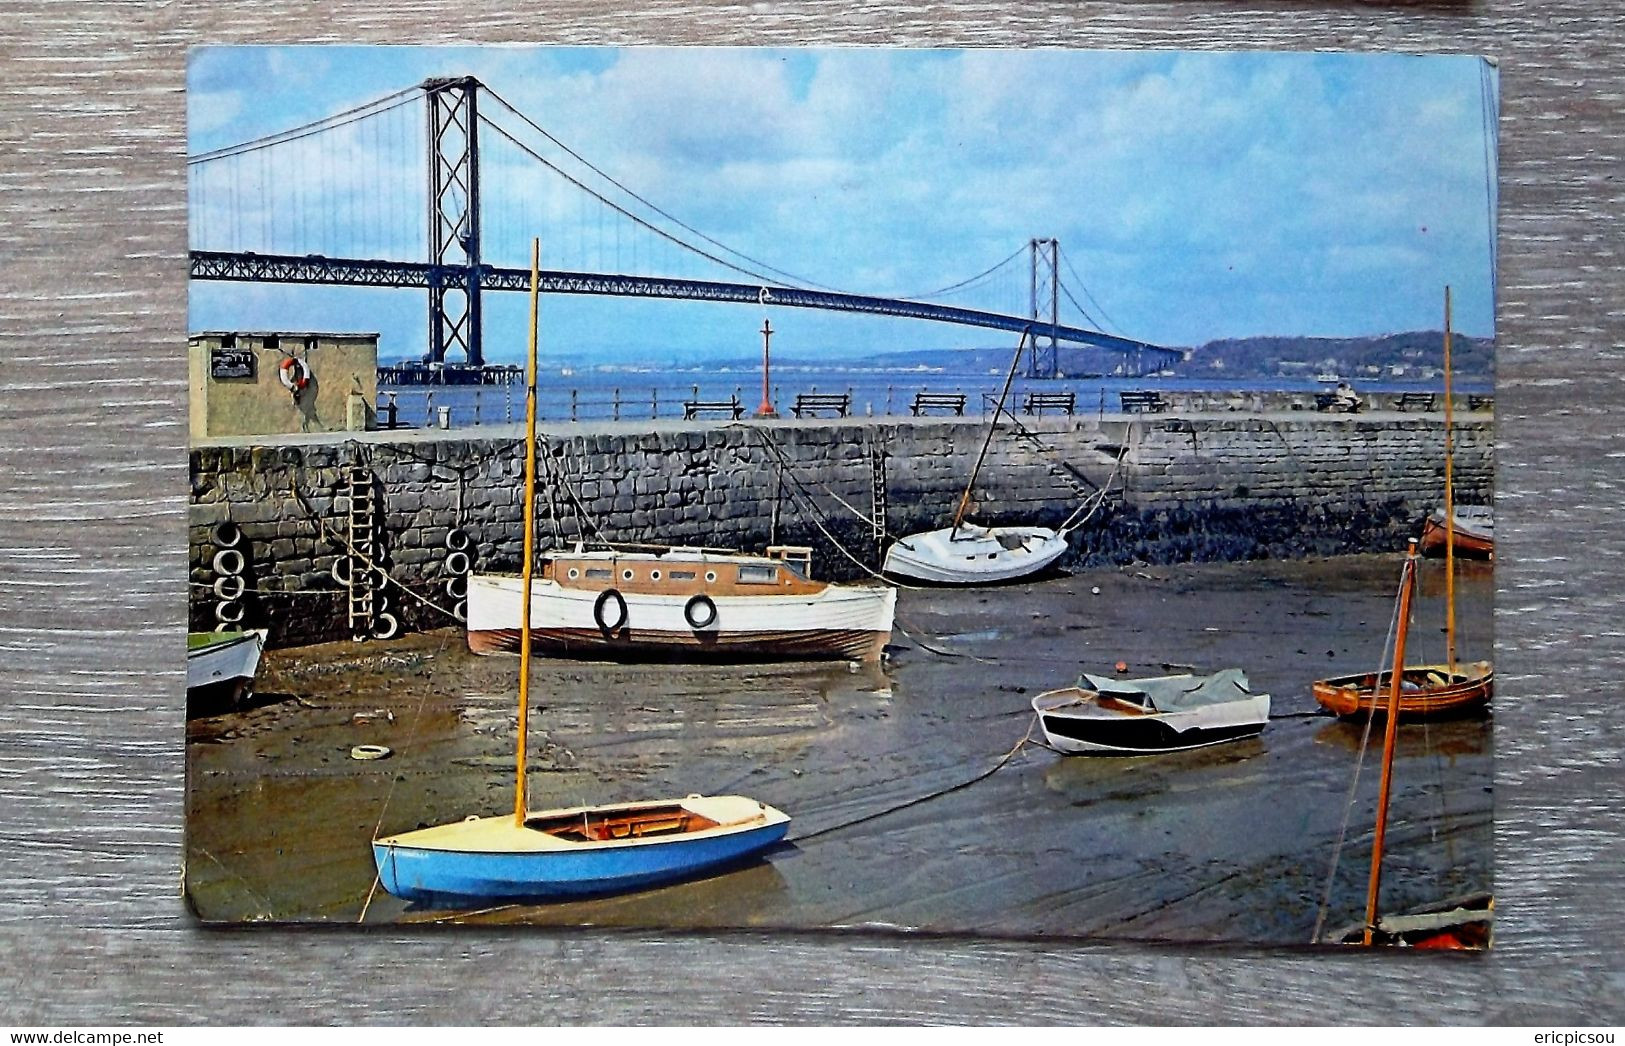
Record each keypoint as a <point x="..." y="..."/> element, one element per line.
<point x="700" y="612"/>
<point x="605" y="624"/>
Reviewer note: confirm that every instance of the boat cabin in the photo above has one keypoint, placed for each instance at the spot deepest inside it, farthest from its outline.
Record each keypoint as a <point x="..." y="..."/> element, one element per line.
<point x="684" y="571"/>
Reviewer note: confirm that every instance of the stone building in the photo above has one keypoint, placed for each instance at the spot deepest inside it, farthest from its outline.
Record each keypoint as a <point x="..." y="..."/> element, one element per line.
<point x="267" y="383"/>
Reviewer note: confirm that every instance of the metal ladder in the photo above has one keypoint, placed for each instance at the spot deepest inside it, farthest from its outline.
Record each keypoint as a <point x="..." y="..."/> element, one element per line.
<point x="877" y="498"/>
<point x="363" y="531"/>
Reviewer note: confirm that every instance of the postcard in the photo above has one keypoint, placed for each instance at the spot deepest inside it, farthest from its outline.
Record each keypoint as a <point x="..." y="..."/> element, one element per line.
<point x="1020" y="493"/>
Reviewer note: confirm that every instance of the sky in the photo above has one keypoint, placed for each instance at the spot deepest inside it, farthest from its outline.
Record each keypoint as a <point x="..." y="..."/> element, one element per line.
<point x="1195" y="195"/>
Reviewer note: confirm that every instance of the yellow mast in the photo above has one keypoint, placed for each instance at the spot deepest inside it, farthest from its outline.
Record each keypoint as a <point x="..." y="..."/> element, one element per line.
<point x="1407" y="585"/>
<point x="519" y="798"/>
<point x="1449" y="502"/>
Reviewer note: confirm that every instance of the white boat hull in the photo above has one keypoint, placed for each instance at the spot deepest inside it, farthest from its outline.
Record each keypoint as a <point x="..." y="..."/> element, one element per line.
<point x="1085" y="729"/>
<point x="226" y="668"/>
<point x="971" y="555"/>
<point x="853" y="622"/>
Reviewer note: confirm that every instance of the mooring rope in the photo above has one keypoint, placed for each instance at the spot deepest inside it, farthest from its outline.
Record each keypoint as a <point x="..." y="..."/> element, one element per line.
<point x="939" y="793"/>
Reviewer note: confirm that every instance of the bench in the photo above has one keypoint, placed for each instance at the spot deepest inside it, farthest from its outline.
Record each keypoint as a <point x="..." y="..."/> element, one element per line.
<point x="1486" y="402"/>
<point x="1039" y="402"/>
<point x="1149" y="402"/>
<point x="924" y="401"/>
<point x="731" y="407"/>
<point x="808" y="404"/>
<point x="1423" y="401"/>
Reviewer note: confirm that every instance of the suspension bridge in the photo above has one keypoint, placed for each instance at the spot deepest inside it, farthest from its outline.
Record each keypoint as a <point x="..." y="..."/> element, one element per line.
<point x="344" y="200"/>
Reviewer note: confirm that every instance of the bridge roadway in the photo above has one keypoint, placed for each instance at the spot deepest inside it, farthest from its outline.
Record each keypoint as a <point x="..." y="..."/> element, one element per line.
<point x="316" y="269"/>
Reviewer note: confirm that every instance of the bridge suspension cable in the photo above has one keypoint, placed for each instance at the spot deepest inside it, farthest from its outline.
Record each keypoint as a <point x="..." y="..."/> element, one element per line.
<point x="962" y="284"/>
<point x="405" y="96"/>
<point x="644" y="223"/>
<point x="647" y="203"/>
<point x="1067" y="261"/>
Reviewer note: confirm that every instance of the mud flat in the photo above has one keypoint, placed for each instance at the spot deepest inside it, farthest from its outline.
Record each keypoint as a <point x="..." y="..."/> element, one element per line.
<point x="1227" y="843"/>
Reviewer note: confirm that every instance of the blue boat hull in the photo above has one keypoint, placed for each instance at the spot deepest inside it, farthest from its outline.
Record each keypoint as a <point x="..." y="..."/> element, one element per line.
<point x="414" y="873"/>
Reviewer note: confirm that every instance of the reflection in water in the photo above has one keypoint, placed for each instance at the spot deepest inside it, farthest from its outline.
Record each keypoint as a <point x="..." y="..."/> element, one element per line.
<point x="1469" y="736"/>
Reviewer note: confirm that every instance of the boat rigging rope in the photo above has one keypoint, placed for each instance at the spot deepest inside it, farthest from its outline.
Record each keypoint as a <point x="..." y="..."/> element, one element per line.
<point x="1354" y="783"/>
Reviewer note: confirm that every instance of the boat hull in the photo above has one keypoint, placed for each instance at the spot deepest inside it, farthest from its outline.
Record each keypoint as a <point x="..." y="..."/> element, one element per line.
<point x="1099" y="732"/>
<point x="845" y="622"/>
<point x="1472" y="541"/>
<point x="1357" y="696"/>
<point x="494" y="859"/>
<point x="974" y="555"/>
<point x="222" y="671"/>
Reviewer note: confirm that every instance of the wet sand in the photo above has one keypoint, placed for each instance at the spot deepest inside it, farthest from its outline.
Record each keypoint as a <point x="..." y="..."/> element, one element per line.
<point x="1230" y="843"/>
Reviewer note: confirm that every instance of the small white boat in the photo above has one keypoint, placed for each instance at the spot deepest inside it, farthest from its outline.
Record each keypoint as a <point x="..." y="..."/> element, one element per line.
<point x="683" y="602"/>
<point x="969" y="554"/>
<point x="966" y="554"/>
<point x="220" y="667"/>
<point x="1147" y="716"/>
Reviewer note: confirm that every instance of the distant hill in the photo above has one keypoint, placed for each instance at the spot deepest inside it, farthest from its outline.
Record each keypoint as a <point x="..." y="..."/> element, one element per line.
<point x="1411" y="356"/>
<point x="1417" y="355"/>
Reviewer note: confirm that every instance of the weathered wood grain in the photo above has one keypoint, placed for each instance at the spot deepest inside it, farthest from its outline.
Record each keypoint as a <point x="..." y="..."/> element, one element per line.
<point x="92" y="428"/>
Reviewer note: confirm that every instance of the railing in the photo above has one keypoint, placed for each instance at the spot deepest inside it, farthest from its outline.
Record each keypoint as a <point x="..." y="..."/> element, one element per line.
<point x="454" y="406"/>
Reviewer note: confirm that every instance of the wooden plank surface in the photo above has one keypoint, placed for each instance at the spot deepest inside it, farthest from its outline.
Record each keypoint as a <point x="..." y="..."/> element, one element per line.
<point x="92" y="430"/>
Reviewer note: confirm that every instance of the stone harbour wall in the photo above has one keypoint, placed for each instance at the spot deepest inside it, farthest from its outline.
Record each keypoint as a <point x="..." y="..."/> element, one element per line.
<point x="1187" y="487"/>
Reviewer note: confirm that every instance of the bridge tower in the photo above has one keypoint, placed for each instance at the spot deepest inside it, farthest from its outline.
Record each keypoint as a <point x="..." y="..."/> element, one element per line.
<point x="1045" y="256"/>
<point x="454" y="218"/>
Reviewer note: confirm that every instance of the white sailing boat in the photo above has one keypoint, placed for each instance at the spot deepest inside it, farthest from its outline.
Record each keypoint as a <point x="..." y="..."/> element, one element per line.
<point x="967" y="554"/>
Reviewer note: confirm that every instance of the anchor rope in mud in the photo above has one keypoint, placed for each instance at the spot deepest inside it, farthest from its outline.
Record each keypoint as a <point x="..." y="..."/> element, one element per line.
<point x="1004" y="760"/>
<point x="1354" y="784"/>
<point x="411" y="738"/>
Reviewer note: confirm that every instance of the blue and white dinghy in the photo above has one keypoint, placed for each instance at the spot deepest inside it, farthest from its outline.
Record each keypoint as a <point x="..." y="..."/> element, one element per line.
<point x="1103" y="716"/>
<point x="577" y="851"/>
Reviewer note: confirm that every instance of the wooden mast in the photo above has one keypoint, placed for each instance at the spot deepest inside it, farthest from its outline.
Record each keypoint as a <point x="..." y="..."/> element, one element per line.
<point x="964" y="499"/>
<point x="1449" y="503"/>
<point x="519" y="798"/>
<point x="1407" y="586"/>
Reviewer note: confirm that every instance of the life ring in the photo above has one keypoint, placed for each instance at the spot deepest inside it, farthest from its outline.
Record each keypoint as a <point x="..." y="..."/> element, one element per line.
<point x="457" y="586"/>
<point x="606" y="597"/>
<point x="386" y="626"/>
<point x="227" y="534"/>
<point x="700" y="612"/>
<point x="229" y="612"/>
<point x="458" y="540"/>
<point x="230" y="586"/>
<point x="295" y="374"/>
<point x="229" y="562"/>
<point x="369" y="752"/>
<point x="458" y="563"/>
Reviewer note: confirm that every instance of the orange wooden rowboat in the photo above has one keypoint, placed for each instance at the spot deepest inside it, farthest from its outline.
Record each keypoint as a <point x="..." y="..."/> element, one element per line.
<point x="1426" y="691"/>
<point x="1474" y="533"/>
